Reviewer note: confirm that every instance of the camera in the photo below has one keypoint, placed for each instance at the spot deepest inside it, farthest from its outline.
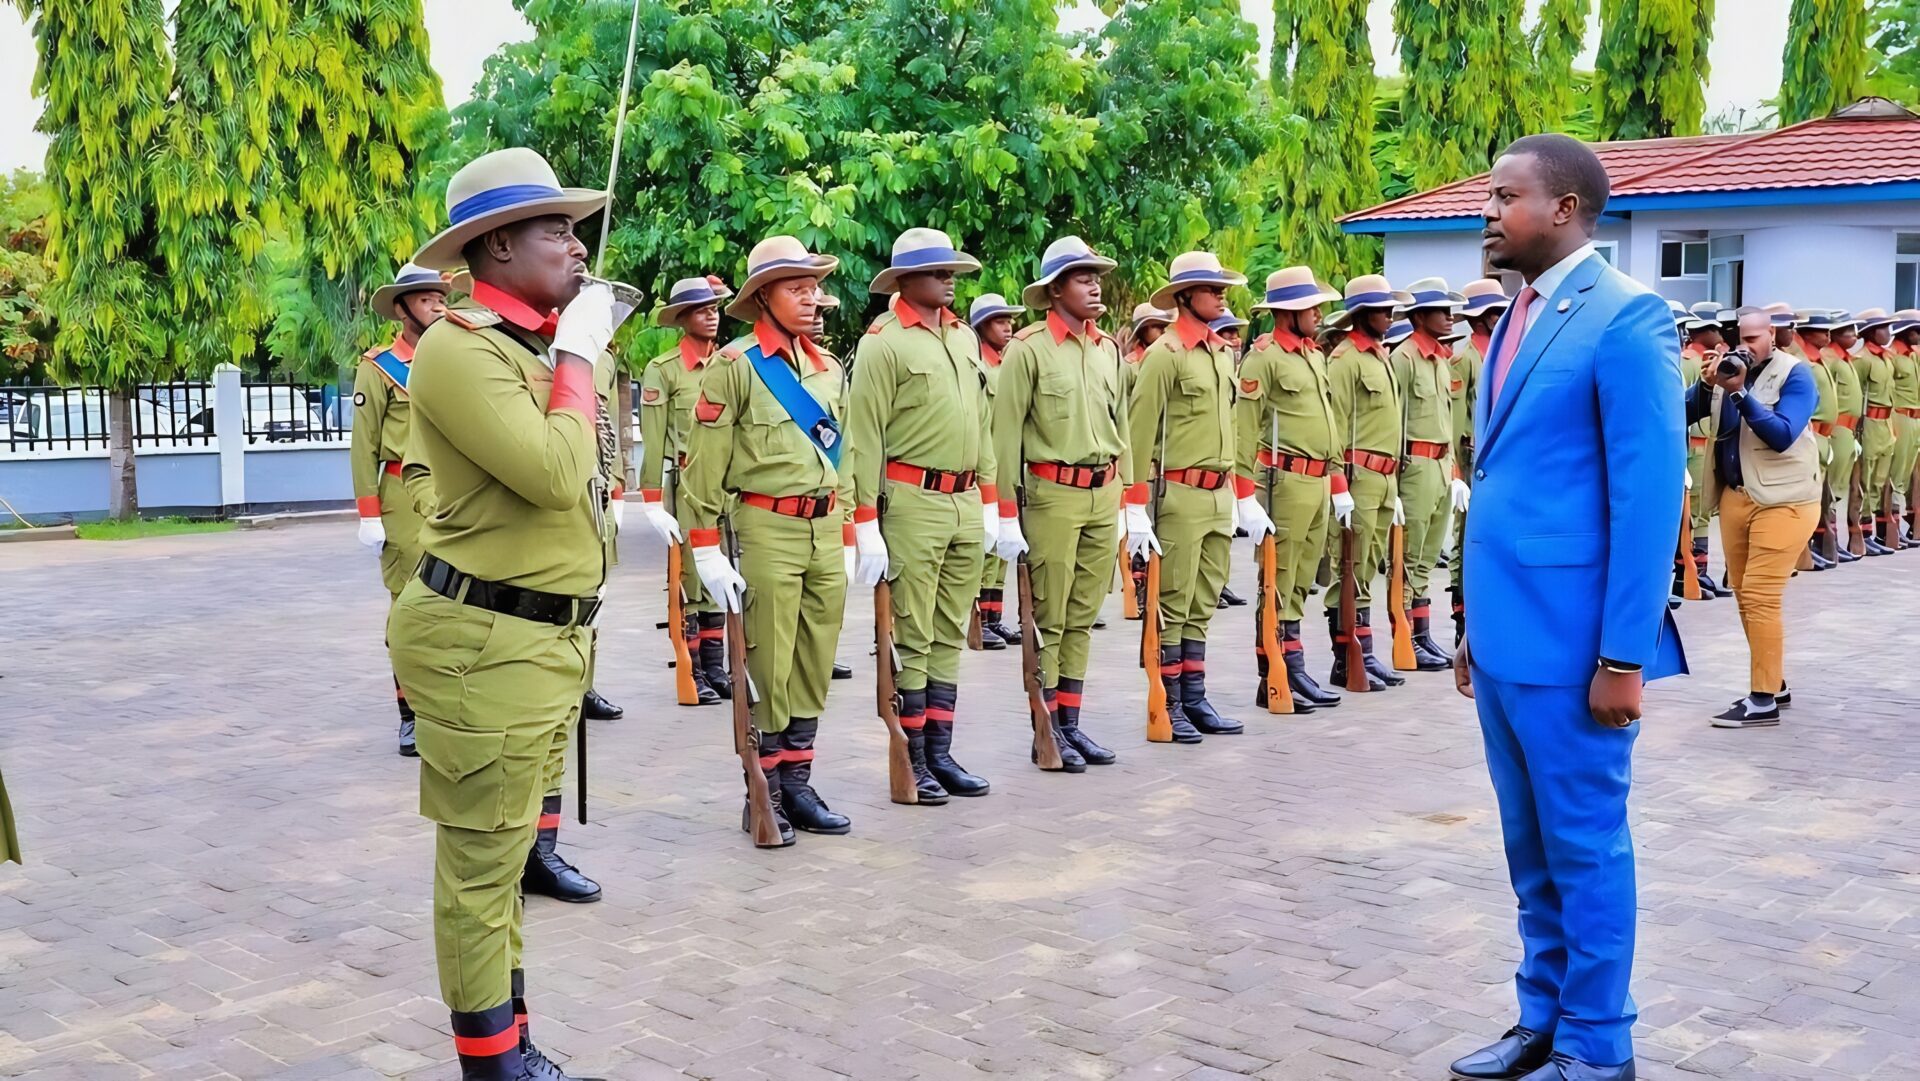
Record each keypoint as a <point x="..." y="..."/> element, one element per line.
<point x="1734" y="363"/>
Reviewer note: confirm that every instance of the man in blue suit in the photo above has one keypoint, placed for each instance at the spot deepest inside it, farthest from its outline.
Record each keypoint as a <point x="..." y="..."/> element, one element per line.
<point x="1578" y="482"/>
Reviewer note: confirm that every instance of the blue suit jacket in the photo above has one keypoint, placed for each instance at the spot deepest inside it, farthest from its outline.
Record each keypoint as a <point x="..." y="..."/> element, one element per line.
<point x="1577" y="489"/>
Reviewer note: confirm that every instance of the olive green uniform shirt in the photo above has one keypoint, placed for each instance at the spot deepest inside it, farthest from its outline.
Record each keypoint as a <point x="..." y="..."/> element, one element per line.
<point x="1846" y="381"/>
<point x="919" y="396"/>
<point x="1366" y="400"/>
<point x="1423" y="373"/>
<point x="1876" y="375"/>
<point x="1184" y="387"/>
<point x="381" y="414"/>
<point x="668" y="390"/>
<point x="1060" y="399"/>
<point x="1469" y="357"/>
<point x="1285" y="404"/>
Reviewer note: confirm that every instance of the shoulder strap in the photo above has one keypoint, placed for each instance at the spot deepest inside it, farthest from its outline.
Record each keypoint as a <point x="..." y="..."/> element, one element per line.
<point x="802" y="408"/>
<point x="392" y="368"/>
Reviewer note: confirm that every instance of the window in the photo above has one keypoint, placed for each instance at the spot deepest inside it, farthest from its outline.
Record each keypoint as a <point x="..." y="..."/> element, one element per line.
<point x="1608" y="250"/>
<point x="1683" y="258"/>
<point x="1727" y="269"/>
<point x="1906" y="271"/>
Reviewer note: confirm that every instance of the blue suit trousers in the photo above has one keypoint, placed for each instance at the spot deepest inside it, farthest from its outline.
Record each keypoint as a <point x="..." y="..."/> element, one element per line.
<point x="1561" y="779"/>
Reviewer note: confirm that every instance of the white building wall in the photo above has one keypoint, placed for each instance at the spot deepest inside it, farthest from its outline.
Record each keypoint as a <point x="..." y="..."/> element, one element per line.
<point x="1454" y="256"/>
<point x="1821" y="266"/>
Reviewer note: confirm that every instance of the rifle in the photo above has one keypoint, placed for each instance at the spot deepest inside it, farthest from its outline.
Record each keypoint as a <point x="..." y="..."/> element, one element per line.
<point x="1046" y="753"/>
<point x="1159" y="721"/>
<point x="1279" y="693"/>
<point x="1403" y="656"/>
<point x="580" y="773"/>
<point x="746" y="740"/>
<point x="1689" y="575"/>
<point x="676" y="625"/>
<point x="974" y="641"/>
<point x="1129" y="601"/>
<point x="900" y="784"/>
<point x="1349" y="578"/>
<point x="1856" y="495"/>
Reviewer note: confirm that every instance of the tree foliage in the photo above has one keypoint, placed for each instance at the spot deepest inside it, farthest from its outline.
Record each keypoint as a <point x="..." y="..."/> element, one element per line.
<point x="1329" y="89"/>
<point x="1466" y="85"/>
<point x="1893" y="32"/>
<point x="26" y="324"/>
<point x="1558" y="35"/>
<point x="1651" y="71"/>
<point x="1824" y="64"/>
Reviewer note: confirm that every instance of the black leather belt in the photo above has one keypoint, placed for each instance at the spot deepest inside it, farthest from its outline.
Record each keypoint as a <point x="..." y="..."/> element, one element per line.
<point x="557" y="609"/>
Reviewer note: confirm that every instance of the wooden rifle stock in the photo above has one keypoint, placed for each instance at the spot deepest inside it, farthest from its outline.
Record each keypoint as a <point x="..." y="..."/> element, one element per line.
<point x="1279" y="694"/>
<point x="1689" y="576"/>
<point x="1350" y="613"/>
<point x="684" y="690"/>
<point x="580" y="773"/>
<point x="1403" y="658"/>
<point x="1159" y="721"/>
<point x="1046" y="753"/>
<point x="900" y="786"/>
<point x="746" y="740"/>
<point x="974" y="641"/>
<point x="1129" y="601"/>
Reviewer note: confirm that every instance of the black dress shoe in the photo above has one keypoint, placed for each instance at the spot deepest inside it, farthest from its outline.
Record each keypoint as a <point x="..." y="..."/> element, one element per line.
<point x="1229" y="597"/>
<point x="1846" y="555"/>
<point x="1514" y="1055"/>
<point x="1377" y="669"/>
<point x="1070" y="760"/>
<point x="595" y="708"/>
<point x="841" y="671"/>
<point x="809" y="813"/>
<point x="990" y="636"/>
<point x="1090" y="752"/>
<point x="549" y="875"/>
<point x="1564" y="1067"/>
<point x="1875" y="548"/>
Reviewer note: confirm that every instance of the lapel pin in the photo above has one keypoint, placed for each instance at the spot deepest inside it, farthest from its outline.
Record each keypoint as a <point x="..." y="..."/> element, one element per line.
<point x="1563" y="306"/>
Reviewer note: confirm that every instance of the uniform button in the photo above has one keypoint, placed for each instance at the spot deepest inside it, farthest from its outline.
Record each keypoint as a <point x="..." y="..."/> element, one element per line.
<point x="1479" y="474"/>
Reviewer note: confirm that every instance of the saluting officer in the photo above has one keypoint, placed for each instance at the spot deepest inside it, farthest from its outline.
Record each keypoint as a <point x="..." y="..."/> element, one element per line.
<point x="668" y="390"/>
<point x="766" y="447"/>
<point x="1285" y="429"/>
<point x="1486" y="302"/>
<point x="492" y="639"/>
<point x="1366" y="405"/>
<point x="1430" y="481"/>
<point x="1905" y="356"/>
<point x="1874" y="363"/>
<point x="991" y="318"/>
<point x="1057" y="431"/>
<point x="390" y="510"/>
<point x="919" y="438"/>
<point x="1180" y="424"/>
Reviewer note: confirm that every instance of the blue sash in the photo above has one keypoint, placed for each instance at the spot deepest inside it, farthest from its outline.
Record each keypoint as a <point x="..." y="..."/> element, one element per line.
<point x="802" y="408"/>
<point x="395" y="369"/>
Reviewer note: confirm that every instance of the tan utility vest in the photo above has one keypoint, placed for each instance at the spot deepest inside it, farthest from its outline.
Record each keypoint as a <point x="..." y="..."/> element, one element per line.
<point x="1770" y="478"/>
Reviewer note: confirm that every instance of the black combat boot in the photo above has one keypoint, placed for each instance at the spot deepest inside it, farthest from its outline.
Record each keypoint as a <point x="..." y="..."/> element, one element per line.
<point x="1303" y="685"/>
<point x="593" y="707"/>
<point x="1170" y="669"/>
<point x="547" y="874"/>
<point x="913" y="721"/>
<point x="1337" y="675"/>
<point x="1193" y="693"/>
<point x="942" y="700"/>
<point x="697" y="665"/>
<point x="1070" y="760"/>
<point x="994" y="608"/>
<point x="1459" y="598"/>
<point x="536" y="1066"/>
<point x="488" y="1044"/>
<point x="1872" y="528"/>
<point x="1707" y="586"/>
<point x="1376" y="668"/>
<point x="407" y="748"/>
<point x="1067" y="718"/>
<point x="712" y="657"/>
<point x="1230" y="599"/>
<point x="770" y="758"/>
<point x="805" y="808"/>
<point x="1428" y="656"/>
<point x="842" y="671"/>
<point x="983" y="611"/>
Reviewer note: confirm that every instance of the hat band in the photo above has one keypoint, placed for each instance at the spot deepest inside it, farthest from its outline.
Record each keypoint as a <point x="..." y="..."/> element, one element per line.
<point x="1061" y="262"/>
<point x="906" y="260"/>
<point x="500" y="199"/>
<point x="1292" y="292"/>
<point x="778" y="264"/>
<point x="1486" y="300"/>
<point x="991" y="313"/>
<point x="1430" y="296"/>
<point x="1367" y="298"/>
<point x="420" y="277"/>
<point x="693" y="296"/>
<point x="1198" y="275"/>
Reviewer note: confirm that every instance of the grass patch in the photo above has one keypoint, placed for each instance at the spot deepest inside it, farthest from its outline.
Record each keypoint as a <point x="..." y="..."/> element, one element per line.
<point x="147" y="527"/>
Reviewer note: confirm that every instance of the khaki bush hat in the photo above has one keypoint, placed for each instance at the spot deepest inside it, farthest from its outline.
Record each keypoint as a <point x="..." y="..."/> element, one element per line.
<point x="1294" y="289"/>
<point x="776" y="258"/>
<point x="498" y="189"/>
<point x="1706" y="314"/>
<point x="690" y="293"/>
<point x="412" y="278"/>
<point x="919" y="250"/>
<point x="1144" y="314"/>
<point x="1372" y="291"/>
<point x="1430" y="293"/>
<point x="987" y="305"/>
<point x="1873" y="317"/>
<point x="1067" y="253"/>
<point x="1484" y="295"/>
<point x="1906" y="319"/>
<point x="1191" y="269"/>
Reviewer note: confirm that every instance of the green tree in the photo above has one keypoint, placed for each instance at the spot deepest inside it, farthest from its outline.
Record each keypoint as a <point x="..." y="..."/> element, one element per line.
<point x="1465" y="94"/>
<point x="1557" y="37"/>
<point x="26" y="324"/>
<point x="1893" y="31"/>
<point x="215" y="180"/>
<point x="1651" y="71"/>
<point x="1824" y="64"/>
<point x="361" y="124"/>
<point x="104" y="73"/>
<point x="1330" y="92"/>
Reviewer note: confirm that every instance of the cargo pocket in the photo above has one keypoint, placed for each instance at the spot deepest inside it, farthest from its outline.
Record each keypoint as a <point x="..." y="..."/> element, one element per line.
<point x="463" y="775"/>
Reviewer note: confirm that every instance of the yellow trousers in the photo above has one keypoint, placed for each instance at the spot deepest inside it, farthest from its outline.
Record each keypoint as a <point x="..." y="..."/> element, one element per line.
<point x="1761" y="545"/>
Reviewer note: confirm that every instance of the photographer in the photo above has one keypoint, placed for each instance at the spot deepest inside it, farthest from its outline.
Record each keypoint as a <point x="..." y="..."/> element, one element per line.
<point x="1764" y="476"/>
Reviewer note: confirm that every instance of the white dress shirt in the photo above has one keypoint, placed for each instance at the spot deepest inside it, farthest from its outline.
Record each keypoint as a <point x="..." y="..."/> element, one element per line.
<point x="1550" y="279"/>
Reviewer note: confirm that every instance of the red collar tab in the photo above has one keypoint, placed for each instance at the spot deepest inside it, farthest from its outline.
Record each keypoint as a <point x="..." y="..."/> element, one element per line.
<point x="910" y="316"/>
<point x="1877" y="350"/>
<point x="774" y="340"/>
<point x="1363" y="341"/>
<point x="691" y="352"/>
<point x="990" y="355"/>
<point x="401" y="349"/>
<point x="514" y="310"/>
<point x="1193" y="333"/>
<point x="1481" y="342"/>
<point x="1062" y="331"/>
<point x="1288" y="340"/>
<point x="1430" y="347"/>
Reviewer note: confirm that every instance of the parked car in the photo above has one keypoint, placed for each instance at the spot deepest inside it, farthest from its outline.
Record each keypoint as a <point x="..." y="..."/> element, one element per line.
<point x="80" y="416"/>
<point x="275" y="414"/>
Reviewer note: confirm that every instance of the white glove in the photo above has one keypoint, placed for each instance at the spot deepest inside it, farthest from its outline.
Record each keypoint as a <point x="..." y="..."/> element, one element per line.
<point x="586" y="325"/>
<point x="1140" y="536"/>
<point x="1012" y="543"/>
<point x="1343" y="509"/>
<point x="372" y="533"/>
<point x="1399" y="512"/>
<point x="872" y="549"/>
<point x="990" y="524"/>
<point x="1249" y="515"/>
<point x="1686" y="476"/>
<point x="618" y="508"/>
<point x="717" y="573"/>
<point x="1462" y="495"/>
<point x="850" y="560"/>
<point x="660" y="522"/>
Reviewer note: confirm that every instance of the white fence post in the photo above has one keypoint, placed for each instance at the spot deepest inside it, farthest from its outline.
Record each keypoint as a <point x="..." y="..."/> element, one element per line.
<point x="230" y="435"/>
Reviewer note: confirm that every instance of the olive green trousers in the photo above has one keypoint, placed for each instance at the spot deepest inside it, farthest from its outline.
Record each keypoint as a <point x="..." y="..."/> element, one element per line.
<point x="1072" y="535"/>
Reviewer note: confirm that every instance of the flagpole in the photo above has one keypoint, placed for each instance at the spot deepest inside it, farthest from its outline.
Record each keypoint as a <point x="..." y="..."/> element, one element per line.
<point x="619" y="129"/>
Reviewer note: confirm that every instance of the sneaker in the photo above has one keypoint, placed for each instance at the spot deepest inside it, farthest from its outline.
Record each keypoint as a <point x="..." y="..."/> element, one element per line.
<point x="1739" y="715"/>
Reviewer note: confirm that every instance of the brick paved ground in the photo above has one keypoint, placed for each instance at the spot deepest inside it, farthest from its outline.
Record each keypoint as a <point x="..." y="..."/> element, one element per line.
<point x="228" y="879"/>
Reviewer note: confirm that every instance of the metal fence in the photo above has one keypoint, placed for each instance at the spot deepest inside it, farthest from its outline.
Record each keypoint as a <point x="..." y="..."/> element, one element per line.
<point x="46" y="418"/>
<point x="286" y="412"/>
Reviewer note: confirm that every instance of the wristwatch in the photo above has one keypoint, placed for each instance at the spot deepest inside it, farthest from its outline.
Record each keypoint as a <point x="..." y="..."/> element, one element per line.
<point x="1619" y="667"/>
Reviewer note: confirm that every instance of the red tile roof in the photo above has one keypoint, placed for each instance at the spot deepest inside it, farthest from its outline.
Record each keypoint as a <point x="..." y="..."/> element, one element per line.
<point x="1876" y="146"/>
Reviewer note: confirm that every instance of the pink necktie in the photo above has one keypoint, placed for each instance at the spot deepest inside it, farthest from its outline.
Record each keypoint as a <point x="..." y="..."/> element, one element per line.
<point x="1510" y="341"/>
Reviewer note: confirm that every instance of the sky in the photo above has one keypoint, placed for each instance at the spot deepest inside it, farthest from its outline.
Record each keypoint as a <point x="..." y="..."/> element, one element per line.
<point x="1745" y="57"/>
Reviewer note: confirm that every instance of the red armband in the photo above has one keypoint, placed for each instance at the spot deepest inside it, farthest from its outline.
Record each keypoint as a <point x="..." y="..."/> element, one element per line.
<point x="1243" y="487"/>
<point x="573" y="389"/>
<point x="865" y="514"/>
<point x="1137" y="494"/>
<point x="847" y="539"/>
<point x="703" y="538"/>
<point x="369" y="506"/>
<point x="990" y="495"/>
<point x="1339" y="483"/>
<point x="1009" y="508"/>
<point x="650" y="495"/>
<point x="618" y="492"/>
